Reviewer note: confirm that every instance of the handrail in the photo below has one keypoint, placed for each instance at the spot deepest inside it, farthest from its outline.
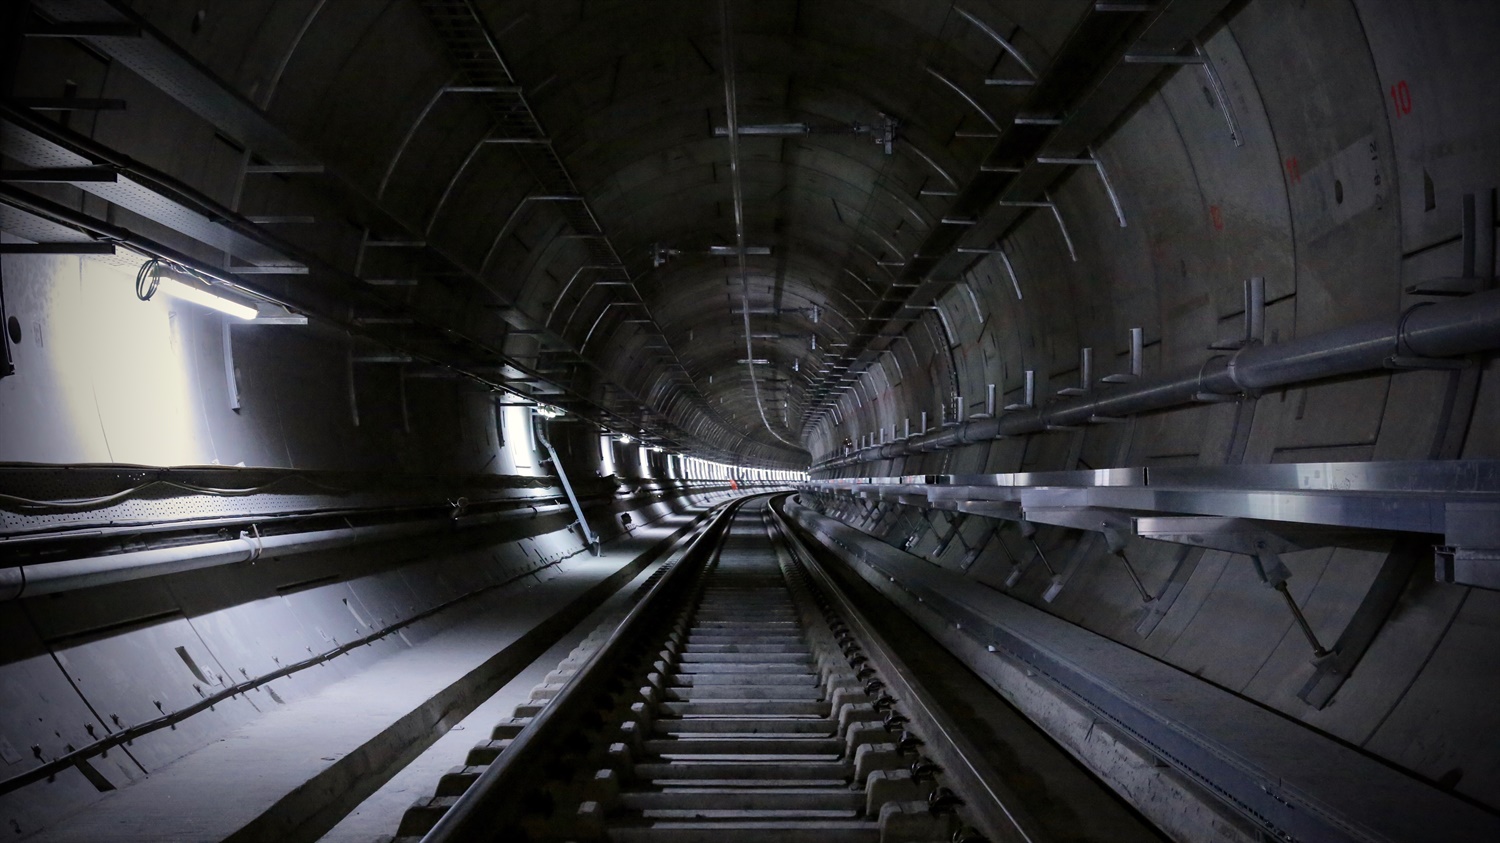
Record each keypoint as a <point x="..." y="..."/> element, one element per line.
<point x="480" y="814"/>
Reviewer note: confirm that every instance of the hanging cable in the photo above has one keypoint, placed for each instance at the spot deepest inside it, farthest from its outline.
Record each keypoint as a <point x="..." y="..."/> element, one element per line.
<point x="147" y="279"/>
<point x="727" y="45"/>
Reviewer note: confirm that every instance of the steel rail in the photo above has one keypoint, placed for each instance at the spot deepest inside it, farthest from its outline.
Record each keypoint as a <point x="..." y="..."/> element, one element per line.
<point x="994" y="808"/>
<point x="486" y="810"/>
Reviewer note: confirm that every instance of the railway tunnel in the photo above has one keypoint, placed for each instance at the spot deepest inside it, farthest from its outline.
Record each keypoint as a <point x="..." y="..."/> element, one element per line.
<point x="901" y="420"/>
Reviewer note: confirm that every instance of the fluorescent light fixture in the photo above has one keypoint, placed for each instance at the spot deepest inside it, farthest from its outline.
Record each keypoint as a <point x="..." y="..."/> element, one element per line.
<point x="548" y="412"/>
<point x="766" y="129"/>
<point x="198" y="295"/>
<point x="759" y="361"/>
<point x="731" y="250"/>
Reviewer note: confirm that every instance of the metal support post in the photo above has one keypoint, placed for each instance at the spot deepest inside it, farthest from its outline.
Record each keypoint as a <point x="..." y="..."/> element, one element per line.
<point x="1029" y="394"/>
<point x="1301" y="620"/>
<point x="1134" y="577"/>
<point x="1255" y="318"/>
<point x="1085" y="374"/>
<point x="1137" y="350"/>
<point x="588" y="535"/>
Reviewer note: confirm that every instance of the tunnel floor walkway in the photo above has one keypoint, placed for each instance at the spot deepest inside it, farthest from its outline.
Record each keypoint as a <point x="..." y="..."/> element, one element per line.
<point x="297" y="771"/>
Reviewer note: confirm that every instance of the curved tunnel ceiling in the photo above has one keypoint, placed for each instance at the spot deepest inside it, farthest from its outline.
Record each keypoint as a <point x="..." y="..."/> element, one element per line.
<point x="450" y="108"/>
<point x="633" y="101"/>
<point x="1073" y="307"/>
<point x="557" y="182"/>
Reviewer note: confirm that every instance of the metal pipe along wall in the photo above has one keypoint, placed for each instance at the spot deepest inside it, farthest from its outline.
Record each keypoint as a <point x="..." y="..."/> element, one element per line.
<point x="1423" y="332"/>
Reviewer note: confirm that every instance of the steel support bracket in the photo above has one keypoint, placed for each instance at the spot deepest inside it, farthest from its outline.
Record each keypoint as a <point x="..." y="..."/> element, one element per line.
<point x="971" y="554"/>
<point x="955" y="525"/>
<point x="1262" y="541"/>
<point x="562" y="474"/>
<point x="1003" y="510"/>
<point x="1114" y="525"/>
<point x="1245" y="536"/>
<point x="1332" y="670"/>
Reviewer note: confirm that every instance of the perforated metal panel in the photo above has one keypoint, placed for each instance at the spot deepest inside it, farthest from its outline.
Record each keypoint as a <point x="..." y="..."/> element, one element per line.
<point x="34" y="151"/>
<point x="26" y="226"/>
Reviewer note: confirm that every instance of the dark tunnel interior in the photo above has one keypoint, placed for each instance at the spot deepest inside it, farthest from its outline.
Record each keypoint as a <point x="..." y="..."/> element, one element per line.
<point x="1129" y="368"/>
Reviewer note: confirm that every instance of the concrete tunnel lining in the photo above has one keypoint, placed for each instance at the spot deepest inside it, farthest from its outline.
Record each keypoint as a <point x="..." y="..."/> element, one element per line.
<point x="469" y="227"/>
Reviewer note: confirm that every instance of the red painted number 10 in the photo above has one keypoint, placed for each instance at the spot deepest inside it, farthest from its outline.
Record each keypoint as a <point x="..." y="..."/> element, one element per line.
<point x="1401" y="98"/>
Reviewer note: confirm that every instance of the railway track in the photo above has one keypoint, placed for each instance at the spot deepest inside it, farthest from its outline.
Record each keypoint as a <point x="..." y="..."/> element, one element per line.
<point x="740" y="698"/>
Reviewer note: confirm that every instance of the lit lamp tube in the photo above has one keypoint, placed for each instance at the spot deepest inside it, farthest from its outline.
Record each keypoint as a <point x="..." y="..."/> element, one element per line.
<point x="198" y="295"/>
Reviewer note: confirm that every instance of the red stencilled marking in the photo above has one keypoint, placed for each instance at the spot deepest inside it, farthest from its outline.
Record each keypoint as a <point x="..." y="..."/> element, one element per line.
<point x="1216" y="216"/>
<point x="1401" y="98"/>
<point x="1293" y="171"/>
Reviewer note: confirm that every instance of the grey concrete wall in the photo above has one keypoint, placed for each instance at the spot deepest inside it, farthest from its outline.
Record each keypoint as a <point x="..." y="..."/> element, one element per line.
<point x="1434" y="652"/>
<point x="78" y="666"/>
<point x="103" y="377"/>
<point x="1362" y="127"/>
<point x="1338" y="194"/>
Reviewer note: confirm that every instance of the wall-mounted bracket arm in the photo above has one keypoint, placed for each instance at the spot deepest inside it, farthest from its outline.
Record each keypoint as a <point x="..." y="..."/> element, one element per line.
<point x="1137" y="351"/>
<point x="1255" y="318"/>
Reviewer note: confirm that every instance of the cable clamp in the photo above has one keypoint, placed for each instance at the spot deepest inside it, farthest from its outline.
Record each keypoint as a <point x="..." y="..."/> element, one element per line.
<point x="256" y="542"/>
